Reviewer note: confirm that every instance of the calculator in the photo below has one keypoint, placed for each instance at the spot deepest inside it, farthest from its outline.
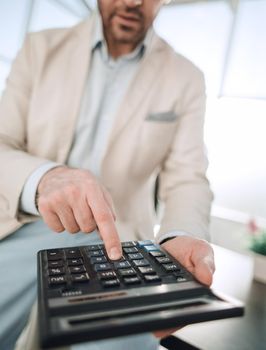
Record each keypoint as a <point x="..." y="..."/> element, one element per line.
<point x="84" y="296"/>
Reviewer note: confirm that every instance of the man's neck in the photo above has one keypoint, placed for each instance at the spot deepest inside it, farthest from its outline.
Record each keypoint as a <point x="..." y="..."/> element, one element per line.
<point x="117" y="51"/>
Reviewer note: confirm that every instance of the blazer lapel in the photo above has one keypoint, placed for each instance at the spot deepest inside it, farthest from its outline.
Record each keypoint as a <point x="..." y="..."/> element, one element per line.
<point x="75" y="75"/>
<point x="138" y="89"/>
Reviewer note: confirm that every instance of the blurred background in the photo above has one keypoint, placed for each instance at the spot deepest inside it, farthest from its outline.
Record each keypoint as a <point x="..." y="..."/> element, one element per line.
<point x="227" y="40"/>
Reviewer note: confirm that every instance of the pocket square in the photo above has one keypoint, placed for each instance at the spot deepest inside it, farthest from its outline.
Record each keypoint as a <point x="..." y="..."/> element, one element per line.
<point x="169" y="116"/>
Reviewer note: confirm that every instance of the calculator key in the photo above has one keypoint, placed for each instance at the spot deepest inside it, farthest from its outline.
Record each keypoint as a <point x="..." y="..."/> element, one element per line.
<point x="57" y="280"/>
<point x="56" y="271"/>
<point x="142" y="262"/>
<point x="73" y="253"/>
<point x="181" y="279"/>
<point x="179" y="271"/>
<point x="170" y="278"/>
<point x="82" y="277"/>
<point x="93" y="247"/>
<point x="121" y="264"/>
<point x="55" y="254"/>
<point x="135" y="256"/>
<point x="55" y="263"/>
<point x="156" y="253"/>
<point x="98" y="259"/>
<point x="121" y="259"/>
<point x="106" y="275"/>
<point x="127" y="272"/>
<point x="77" y="269"/>
<point x="146" y="242"/>
<point x="132" y="280"/>
<point x="75" y="262"/>
<point x="111" y="283"/>
<point x="128" y="244"/>
<point x="150" y="248"/>
<point x="130" y="250"/>
<point x="146" y="270"/>
<point x="152" y="278"/>
<point x="102" y="267"/>
<point x="163" y="259"/>
<point x="170" y="267"/>
<point x="96" y="253"/>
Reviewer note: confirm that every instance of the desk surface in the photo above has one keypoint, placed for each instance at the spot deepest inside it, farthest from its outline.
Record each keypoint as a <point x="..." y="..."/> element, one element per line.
<point x="233" y="276"/>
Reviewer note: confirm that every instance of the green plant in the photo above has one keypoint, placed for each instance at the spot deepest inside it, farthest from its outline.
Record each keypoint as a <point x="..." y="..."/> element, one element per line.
<point x="258" y="242"/>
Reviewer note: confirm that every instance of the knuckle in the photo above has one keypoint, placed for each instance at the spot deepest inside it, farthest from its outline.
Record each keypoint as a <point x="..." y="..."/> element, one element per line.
<point x="91" y="181"/>
<point x="43" y="205"/>
<point x="58" y="229"/>
<point x="88" y="228"/>
<point x="82" y="173"/>
<point x="56" y="198"/>
<point x="85" y="174"/>
<point x="55" y="226"/>
<point x="90" y="188"/>
<point x="204" y="244"/>
<point x="71" y="190"/>
<point x="73" y="229"/>
<point x="104" y="217"/>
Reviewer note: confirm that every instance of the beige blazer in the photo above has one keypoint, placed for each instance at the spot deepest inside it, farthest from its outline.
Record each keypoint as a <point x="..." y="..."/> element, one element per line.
<point x="158" y="130"/>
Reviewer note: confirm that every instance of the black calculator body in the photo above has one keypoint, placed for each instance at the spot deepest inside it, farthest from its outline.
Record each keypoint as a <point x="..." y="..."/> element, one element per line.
<point x="84" y="296"/>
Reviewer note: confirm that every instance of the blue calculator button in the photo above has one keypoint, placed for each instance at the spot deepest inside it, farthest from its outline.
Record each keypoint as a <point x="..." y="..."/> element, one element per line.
<point x="146" y="242"/>
<point x="150" y="248"/>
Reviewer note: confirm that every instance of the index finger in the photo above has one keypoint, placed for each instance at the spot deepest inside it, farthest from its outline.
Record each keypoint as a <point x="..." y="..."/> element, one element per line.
<point x="105" y="221"/>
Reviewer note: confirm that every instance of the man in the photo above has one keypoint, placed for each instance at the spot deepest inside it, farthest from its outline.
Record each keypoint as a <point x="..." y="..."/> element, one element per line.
<point x="90" y="117"/>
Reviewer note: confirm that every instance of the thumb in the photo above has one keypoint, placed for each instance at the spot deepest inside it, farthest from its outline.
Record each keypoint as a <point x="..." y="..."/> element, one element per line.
<point x="204" y="269"/>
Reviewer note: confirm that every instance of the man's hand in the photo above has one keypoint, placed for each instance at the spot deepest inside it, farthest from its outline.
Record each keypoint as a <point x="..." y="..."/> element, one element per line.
<point x="196" y="255"/>
<point x="73" y="200"/>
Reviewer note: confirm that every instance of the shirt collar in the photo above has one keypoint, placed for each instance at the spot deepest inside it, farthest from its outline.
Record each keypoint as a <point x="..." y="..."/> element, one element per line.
<point x="97" y="36"/>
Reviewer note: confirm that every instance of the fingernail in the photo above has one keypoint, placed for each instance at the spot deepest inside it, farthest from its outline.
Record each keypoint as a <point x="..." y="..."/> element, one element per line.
<point x="114" y="253"/>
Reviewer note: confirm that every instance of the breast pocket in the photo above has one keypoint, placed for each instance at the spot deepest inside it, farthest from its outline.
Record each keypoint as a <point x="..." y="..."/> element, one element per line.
<point x="163" y="117"/>
<point x="154" y="142"/>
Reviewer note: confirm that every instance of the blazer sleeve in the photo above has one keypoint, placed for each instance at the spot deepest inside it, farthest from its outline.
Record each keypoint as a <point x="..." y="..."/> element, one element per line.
<point x="183" y="186"/>
<point x="15" y="162"/>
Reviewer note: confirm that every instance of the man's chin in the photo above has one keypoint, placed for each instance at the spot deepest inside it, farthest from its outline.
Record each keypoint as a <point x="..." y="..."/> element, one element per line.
<point x="126" y="36"/>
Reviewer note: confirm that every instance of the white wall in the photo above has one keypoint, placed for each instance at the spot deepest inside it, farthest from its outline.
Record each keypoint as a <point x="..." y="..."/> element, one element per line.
<point x="229" y="45"/>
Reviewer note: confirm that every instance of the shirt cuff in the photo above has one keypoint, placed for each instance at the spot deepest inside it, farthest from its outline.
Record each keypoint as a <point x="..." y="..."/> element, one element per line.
<point x="171" y="234"/>
<point x="27" y="199"/>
